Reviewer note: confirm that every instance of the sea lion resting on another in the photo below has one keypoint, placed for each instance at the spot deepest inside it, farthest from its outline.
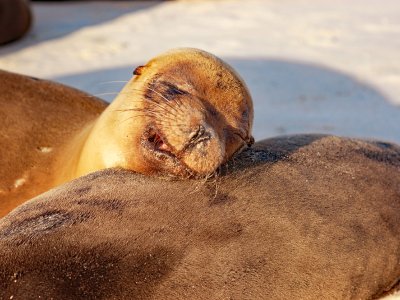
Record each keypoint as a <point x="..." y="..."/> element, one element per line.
<point x="302" y="217"/>
<point x="184" y="114"/>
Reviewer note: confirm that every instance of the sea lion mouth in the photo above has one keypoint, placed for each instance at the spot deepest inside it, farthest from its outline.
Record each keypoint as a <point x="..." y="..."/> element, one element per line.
<point x="157" y="147"/>
<point x="156" y="143"/>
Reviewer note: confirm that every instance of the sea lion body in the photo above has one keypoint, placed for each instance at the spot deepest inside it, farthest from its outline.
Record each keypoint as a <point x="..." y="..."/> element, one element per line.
<point x="37" y="117"/>
<point x="184" y="114"/>
<point x="301" y="217"/>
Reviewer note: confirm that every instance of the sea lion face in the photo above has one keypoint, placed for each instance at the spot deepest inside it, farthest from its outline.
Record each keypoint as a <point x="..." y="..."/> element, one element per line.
<point x="198" y="113"/>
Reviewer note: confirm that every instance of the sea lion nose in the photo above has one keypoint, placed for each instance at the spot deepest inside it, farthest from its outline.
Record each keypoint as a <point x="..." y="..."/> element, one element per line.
<point x="200" y="134"/>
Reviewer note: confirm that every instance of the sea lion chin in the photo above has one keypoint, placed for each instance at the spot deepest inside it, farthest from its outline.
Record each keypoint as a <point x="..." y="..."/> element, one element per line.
<point x="183" y="114"/>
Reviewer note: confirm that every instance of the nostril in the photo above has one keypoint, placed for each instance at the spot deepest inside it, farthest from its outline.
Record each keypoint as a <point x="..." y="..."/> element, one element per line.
<point x="196" y="133"/>
<point x="199" y="135"/>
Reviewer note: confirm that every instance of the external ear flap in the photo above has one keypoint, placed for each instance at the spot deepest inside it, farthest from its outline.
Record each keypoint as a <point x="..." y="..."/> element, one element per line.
<point x="138" y="70"/>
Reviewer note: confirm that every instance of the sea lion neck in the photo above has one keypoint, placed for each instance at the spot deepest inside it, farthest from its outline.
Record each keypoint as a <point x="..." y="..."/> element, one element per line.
<point x="109" y="142"/>
<point x="102" y="143"/>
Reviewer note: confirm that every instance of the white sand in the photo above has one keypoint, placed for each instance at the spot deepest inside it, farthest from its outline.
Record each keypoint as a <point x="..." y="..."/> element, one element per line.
<point x="311" y="65"/>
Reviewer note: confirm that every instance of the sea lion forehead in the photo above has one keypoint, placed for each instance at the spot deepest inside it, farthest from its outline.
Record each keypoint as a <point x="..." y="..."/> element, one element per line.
<point x="190" y="62"/>
<point x="184" y="54"/>
<point x="197" y="69"/>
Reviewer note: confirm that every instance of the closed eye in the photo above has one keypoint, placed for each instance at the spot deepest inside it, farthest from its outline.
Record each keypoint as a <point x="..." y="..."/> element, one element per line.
<point x="170" y="91"/>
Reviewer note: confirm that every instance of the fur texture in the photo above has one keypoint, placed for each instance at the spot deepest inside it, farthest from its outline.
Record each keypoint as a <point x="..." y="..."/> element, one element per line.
<point x="36" y="118"/>
<point x="300" y="217"/>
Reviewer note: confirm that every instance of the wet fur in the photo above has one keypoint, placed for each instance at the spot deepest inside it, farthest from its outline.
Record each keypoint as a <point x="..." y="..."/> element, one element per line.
<point x="300" y="217"/>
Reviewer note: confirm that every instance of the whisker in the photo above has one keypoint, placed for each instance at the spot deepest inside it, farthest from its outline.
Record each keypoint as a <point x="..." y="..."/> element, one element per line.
<point x="132" y="117"/>
<point x="162" y="96"/>
<point x="163" y="107"/>
<point x="149" y="113"/>
<point x="114" y="81"/>
<point x="103" y="94"/>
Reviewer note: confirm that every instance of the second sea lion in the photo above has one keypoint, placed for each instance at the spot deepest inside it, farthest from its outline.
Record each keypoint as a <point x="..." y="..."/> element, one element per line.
<point x="299" y="217"/>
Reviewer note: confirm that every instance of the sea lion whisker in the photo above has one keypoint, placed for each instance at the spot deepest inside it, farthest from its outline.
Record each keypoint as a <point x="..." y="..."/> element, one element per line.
<point x="133" y="125"/>
<point x="165" y="105"/>
<point x="164" y="117"/>
<point x="167" y="102"/>
<point x="104" y="94"/>
<point x="199" y="184"/>
<point x="158" y="93"/>
<point x="91" y="96"/>
<point x="112" y="93"/>
<point x="137" y="109"/>
<point x="143" y="112"/>
<point x="162" y="96"/>
<point x="114" y="81"/>
<point x="160" y="105"/>
<point x="130" y="109"/>
<point x="213" y="174"/>
<point x="130" y="118"/>
<point x="164" y="125"/>
<point x="196" y="188"/>
<point x="215" y="182"/>
<point x="164" y="108"/>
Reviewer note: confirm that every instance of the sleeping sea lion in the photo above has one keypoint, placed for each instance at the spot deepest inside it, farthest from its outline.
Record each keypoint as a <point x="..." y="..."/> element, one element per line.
<point x="184" y="114"/>
<point x="300" y="217"/>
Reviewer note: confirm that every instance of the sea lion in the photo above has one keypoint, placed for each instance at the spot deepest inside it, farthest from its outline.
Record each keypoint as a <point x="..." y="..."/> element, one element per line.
<point x="300" y="217"/>
<point x="15" y="19"/>
<point x="36" y="118"/>
<point x="184" y="114"/>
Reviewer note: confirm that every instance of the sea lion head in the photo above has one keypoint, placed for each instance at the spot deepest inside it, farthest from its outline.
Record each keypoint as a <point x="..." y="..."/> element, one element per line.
<point x="184" y="113"/>
<point x="198" y="110"/>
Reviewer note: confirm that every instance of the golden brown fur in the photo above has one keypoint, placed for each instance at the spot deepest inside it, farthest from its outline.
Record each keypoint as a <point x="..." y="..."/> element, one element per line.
<point x="302" y="217"/>
<point x="188" y="99"/>
<point x="184" y="114"/>
<point x="36" y="118"/>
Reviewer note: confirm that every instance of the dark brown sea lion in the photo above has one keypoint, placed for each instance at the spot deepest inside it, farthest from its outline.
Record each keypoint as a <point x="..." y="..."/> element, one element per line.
<point x="302" y="217"/>
<point x="15" y="19"/>
<point x="184" y="114"/>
